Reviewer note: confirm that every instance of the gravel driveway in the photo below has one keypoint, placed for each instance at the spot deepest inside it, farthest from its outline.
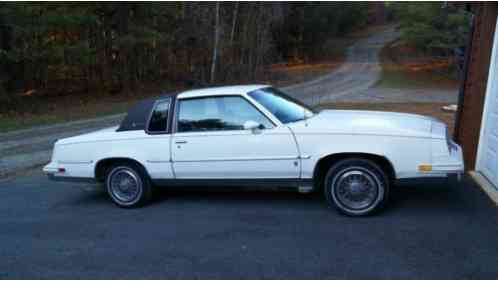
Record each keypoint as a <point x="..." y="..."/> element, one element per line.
<point x="355" y="80"/>
<point x="360" y="71"/>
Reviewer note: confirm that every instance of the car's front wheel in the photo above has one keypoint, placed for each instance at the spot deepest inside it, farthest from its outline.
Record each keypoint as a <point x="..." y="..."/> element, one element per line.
<point x="128" y="185"/>
<point x="356" y="187"/>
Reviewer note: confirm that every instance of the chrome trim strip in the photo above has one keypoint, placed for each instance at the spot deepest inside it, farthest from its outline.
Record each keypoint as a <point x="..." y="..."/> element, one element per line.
<point x="251" y="182"/>
<point x="75" y="162"/>
<point x="369" y="134"/>
<point x="226" y="133"/>
<point x="157" y="161"/>
<point x="240" y="159"/>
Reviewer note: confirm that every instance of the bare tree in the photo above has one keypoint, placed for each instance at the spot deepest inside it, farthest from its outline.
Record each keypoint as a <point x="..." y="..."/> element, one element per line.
<point x="234" y="21"/>
<point x="112" y="47"/>
<point x="216" y="42"/>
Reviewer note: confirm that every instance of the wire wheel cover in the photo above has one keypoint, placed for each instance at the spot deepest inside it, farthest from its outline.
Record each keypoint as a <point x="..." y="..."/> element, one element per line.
<point x="125" y="185"/>
<point x="356" y="188"/>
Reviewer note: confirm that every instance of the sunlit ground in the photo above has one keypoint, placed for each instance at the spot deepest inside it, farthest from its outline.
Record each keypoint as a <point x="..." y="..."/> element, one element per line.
<point x="404" y="69"/>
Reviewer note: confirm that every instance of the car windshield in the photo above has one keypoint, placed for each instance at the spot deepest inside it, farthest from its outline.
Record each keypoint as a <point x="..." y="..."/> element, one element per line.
<point x="285" y="108"/>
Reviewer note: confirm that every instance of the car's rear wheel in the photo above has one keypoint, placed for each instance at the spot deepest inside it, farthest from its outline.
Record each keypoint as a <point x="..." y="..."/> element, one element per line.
<point x="356" y="187"/>
<point x="128" y="185"/>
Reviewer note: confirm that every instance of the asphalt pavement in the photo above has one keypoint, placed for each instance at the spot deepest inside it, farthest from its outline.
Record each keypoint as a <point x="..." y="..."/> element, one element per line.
<point x="65" y="230"/>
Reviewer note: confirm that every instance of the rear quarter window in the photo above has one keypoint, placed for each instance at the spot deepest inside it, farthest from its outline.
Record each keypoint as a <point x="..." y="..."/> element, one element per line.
<point x="158" y="122"/>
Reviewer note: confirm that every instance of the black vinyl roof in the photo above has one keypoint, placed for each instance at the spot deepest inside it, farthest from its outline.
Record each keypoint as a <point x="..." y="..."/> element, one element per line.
<point x="138" y="115"/>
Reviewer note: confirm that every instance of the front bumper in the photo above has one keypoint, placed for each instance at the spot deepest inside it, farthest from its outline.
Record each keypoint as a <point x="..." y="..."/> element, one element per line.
<point x="445" y="166"/>
<point x="452" y="165"/>
<point x="441" y="165"/>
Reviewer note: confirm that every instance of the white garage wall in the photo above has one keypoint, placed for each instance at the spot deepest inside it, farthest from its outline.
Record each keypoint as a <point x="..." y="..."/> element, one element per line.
<point x="487" y="154"/>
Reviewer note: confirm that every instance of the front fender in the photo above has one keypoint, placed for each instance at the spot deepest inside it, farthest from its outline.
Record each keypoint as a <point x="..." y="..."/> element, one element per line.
<point x="404" y="153"/>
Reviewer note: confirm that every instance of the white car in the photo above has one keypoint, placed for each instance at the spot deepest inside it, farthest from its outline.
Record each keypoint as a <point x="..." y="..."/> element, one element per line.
<point x="256" y="135"/>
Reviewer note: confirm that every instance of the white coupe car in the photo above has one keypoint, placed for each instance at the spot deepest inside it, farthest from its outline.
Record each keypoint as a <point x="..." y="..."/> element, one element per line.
<point x="257" y="135"/>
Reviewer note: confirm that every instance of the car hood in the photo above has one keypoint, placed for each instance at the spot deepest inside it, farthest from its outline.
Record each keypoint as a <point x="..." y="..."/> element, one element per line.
<point x="371" y="123"/>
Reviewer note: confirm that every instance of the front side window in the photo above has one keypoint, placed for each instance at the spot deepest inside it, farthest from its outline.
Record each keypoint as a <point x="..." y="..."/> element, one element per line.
<point x="226" y="113"/>
<point x="285" y="108"/>
<point x="159" y="117"/>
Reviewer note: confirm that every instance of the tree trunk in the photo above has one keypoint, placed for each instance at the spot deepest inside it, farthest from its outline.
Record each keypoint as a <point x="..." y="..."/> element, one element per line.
<point x="216" y="43"/>
<point x="234" y="21"/>
<point x="5" y="69"/>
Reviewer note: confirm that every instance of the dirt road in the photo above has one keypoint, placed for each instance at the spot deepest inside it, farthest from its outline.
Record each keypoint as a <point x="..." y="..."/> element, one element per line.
<point x="355" y="80"/>
<point x="360" y="71"/>
<point x="32" y="147"/>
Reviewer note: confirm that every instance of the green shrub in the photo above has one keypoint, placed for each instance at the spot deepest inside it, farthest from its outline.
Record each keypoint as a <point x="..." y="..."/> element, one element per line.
<point x="432" y="27"/>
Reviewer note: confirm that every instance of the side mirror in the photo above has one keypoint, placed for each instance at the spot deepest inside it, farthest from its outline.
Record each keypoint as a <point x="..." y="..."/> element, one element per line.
<point x="252" y="125"/>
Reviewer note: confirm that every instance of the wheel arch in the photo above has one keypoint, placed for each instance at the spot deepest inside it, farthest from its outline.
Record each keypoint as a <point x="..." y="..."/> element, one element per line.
<point x="102" y="165"/>
<point x="327" y="161"/>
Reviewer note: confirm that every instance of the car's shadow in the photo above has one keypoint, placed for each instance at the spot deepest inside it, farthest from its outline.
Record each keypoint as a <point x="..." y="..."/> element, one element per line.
<point x="230" y="194"/>
<point x="426" y="195"/>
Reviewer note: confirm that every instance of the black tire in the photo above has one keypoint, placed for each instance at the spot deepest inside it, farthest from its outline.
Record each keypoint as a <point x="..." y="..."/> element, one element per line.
<point x="128" y="185"/>
<point x="352" y="179"/>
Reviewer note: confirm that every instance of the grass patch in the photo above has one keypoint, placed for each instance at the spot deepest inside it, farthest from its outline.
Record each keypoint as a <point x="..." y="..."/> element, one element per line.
<point x="281" y="75"/>
<point x="9" y="123"/>
<point x="72" y="113"/>
<point x="50" y="110"/>
<point x="404" y="68"/>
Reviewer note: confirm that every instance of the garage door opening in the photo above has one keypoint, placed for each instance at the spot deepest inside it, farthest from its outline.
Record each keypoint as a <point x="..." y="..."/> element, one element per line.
<point x="487" y="156"/>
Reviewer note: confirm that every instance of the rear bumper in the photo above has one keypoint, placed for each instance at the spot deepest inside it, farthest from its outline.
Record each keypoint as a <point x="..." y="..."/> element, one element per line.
<point x="53" y="173"/>
<point x="70" y="179"/>
<point x="50" y="168"/>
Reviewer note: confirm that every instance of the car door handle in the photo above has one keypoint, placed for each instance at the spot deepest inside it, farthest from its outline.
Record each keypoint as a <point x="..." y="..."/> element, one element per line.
<point x="181" y="142"/>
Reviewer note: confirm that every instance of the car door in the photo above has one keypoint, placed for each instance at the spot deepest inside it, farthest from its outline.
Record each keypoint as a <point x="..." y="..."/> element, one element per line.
<point x="212" y="142"/>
